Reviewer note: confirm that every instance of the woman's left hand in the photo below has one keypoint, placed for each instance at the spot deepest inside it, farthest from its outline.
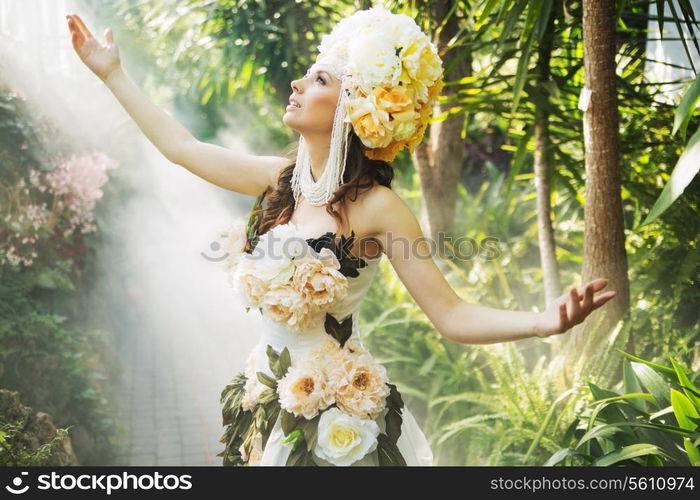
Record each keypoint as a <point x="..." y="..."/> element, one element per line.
<point x="572" y="308"/>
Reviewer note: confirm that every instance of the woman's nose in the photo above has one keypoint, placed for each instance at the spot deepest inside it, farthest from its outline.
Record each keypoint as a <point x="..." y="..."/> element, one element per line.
<point x="296" y="87"/>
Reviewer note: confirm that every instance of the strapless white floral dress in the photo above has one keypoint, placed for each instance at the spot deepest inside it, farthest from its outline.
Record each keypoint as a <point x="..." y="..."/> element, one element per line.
<point x="311" y="393"/>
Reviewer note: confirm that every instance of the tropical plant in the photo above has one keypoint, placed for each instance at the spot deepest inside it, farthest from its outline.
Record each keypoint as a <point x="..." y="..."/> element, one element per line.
<point x="653" y="421"/>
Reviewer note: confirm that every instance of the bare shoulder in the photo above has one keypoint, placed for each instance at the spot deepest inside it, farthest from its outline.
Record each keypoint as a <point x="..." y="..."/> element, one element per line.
<point x="383" y="207"/>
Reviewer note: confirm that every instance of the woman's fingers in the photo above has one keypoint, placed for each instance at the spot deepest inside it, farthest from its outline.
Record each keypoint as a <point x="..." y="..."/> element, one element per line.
<point x="587" y="298"/>
<point x="108" y="35"/>
<point x="563" y="319"/>
<point x="575" y="306"/>
<point x="74" y="41"/>
<point x="596" y="284"/>
<point x="76" y="35"/>
<point x="603" y="299"/>
<point x="82" y="27"/>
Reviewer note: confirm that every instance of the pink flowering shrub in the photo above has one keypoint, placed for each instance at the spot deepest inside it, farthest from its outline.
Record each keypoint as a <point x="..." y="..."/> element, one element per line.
<point x="58" y="202"/>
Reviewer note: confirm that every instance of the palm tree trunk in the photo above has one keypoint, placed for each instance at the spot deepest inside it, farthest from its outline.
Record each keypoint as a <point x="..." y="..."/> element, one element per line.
<point x="604" y="253"/>
<point x="438" y="160"/>
<point x="548" y="259"/>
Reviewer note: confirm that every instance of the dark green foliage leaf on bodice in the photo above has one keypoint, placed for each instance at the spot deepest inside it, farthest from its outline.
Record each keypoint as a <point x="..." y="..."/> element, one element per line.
<point x="349" y="264"/>
<point x="340" y="331"/>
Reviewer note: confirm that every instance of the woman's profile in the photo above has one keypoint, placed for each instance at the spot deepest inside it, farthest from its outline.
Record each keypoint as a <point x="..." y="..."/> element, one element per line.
<point x="311" y="393"/>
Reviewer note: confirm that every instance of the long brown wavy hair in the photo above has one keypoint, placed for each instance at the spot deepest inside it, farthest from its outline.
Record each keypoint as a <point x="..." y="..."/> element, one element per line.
<point x="361" y="173"/>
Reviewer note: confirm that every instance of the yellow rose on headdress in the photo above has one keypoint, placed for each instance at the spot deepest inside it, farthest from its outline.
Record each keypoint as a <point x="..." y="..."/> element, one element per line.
<point x="393" y="99"/>
<point x="405" y="124"/>
<point x="371" y="124"/>
<point x="387" y="153"/>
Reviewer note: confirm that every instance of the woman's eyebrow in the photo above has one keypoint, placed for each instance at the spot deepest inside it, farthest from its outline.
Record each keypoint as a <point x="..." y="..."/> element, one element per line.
<point x="318" y="71"/>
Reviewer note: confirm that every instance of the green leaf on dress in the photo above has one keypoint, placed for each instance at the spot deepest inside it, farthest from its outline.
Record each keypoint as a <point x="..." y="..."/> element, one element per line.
<point x="265" y="379"/>
<point x="340" y="331"/>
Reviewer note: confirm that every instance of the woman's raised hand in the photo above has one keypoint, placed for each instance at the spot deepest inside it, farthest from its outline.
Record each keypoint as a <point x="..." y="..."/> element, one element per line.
<point x="101" y="59"/>
<point x="572" y="308"/>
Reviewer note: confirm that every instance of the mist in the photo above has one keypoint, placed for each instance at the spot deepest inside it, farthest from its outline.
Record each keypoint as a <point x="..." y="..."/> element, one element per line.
<point x="181" y="333"/>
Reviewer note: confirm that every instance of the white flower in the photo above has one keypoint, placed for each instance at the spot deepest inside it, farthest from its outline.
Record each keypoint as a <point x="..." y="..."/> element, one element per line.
<point x="253" y="388"/>
<point x="375" y="57"/>
<point x="236" y="240"/>
<point x="360" y="384"/>
<point x="276" y="253"/>
<point x="344" y="439"/>
<point x="255" y="453"/>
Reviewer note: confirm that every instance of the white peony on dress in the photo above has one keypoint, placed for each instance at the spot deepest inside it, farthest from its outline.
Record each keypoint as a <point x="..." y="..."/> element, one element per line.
<point x="252" y="415"/>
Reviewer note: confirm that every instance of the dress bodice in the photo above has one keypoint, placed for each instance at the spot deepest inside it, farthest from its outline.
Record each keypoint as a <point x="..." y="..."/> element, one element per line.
<point x="300" y="343"/>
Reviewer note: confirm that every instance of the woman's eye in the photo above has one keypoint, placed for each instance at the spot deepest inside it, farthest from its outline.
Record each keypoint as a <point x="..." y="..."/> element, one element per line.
<point x="322" y="80"/>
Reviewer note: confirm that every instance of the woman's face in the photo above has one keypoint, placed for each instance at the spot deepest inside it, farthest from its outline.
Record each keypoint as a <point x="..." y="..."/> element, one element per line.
<point x="317" y="96"/>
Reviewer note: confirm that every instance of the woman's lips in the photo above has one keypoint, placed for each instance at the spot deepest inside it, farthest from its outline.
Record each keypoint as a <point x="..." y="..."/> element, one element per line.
<point x="290" y="107"/>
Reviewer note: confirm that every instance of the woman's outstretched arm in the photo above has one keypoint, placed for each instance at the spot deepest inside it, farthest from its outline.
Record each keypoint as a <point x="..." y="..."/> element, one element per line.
<point x="401" y="237"/>
<point x="243" y="173"/>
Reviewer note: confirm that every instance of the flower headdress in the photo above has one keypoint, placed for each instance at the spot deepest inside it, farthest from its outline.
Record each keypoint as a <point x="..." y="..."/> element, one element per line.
<point x="390" y="75"/>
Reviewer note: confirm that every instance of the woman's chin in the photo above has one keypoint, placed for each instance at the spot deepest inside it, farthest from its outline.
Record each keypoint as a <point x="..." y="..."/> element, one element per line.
<point x="289" y="121"/>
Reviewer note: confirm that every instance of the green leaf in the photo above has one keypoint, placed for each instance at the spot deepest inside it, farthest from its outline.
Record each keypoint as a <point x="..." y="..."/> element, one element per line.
<point x="684" y="172"/>
<point x="629" y="452"/>
<point x="285" y="361"/>
<point x="487" y="8"/>
<point x="294" y="438"/>
<point x="310" y="428"/>
<point x="562" y="454"/>
<point x="387" y="452"/>
<point x="288" y="421"/>
<point x="683" y="409"/>
<point x="340" y="331"/>
<point x="653" y="382"/>
<point x="631" y="385"/>
<point x="686" y="108"/>
<point x="659" y="368"/>
<point x="394" y="399"/>
<point x="393" y="423"/>
<point x="688" y="387"/>
<point x="265" y="379"/>
<point x="660" y="16"/>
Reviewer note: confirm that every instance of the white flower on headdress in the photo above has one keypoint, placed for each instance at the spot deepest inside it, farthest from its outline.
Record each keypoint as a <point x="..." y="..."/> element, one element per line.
<point x="374" y="57"/>
<point x="381" y="50"/>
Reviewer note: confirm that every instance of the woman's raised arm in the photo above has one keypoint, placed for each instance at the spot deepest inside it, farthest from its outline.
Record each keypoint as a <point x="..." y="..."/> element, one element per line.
<point x="401" y="238"/>
<point x="235" y="171"/>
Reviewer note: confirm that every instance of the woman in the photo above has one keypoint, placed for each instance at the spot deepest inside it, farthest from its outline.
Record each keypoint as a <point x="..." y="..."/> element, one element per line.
<point x="311" y="394"/>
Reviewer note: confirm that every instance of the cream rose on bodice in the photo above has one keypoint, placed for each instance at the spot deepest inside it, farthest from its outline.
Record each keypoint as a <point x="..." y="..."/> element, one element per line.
<point x="289" y="280"/>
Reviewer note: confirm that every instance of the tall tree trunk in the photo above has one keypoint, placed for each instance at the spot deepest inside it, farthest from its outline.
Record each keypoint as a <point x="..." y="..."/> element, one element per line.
<point x="439" y="160"/>
<point x="604" y="253"/>
<point x="548" y="259"/>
